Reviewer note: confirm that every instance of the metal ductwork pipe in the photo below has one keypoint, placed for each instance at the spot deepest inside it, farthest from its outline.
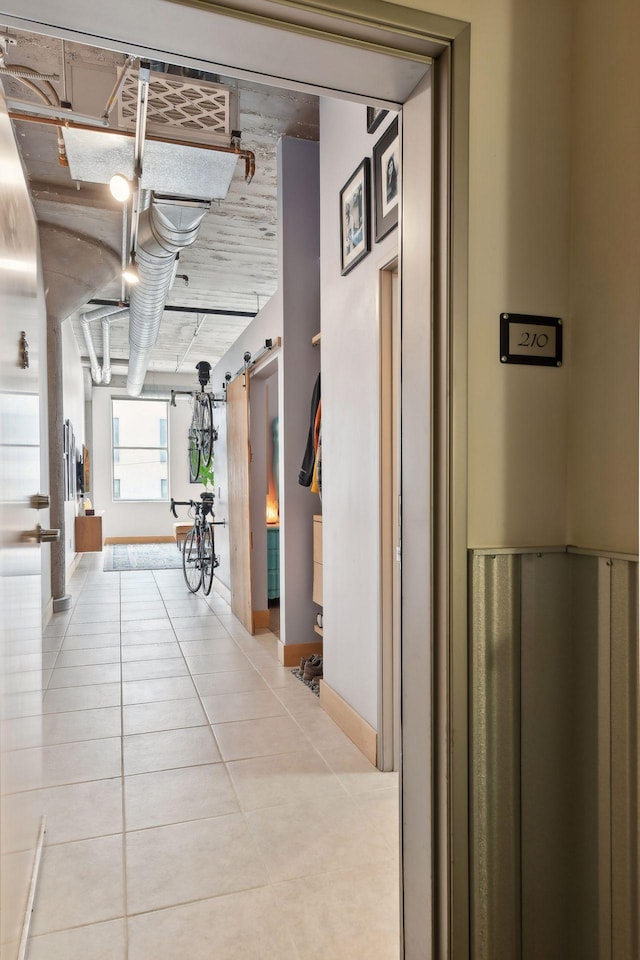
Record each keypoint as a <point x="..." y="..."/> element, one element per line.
<point x="96" y="372"/>
<point x="106" y="350"/>
<point x="169" y="225"/>
<point x="108" y="315"/>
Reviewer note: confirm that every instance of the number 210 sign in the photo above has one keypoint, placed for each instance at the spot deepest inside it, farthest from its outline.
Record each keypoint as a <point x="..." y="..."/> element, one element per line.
<point x="533" y="340"/>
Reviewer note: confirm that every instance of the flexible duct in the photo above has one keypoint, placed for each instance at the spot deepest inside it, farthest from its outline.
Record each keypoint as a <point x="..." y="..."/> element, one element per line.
<point x="167" y="227"/>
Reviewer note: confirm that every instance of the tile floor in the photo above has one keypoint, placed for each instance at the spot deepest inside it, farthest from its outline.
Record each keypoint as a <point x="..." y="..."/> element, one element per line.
<point x="199" y="801"/>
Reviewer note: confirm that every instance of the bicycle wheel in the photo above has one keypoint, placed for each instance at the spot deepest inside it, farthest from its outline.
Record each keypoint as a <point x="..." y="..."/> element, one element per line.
<point x="208" y="559"/>
<point x="194" y="458"/>
<point x="191" y="564"/>
<point x="206" y="429"/>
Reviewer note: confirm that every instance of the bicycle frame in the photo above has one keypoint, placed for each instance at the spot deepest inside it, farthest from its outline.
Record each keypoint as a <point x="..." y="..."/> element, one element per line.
<point x="198" y="559"/>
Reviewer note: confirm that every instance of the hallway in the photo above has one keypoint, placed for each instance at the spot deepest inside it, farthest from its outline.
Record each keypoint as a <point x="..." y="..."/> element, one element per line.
<point x="199" y="801"/>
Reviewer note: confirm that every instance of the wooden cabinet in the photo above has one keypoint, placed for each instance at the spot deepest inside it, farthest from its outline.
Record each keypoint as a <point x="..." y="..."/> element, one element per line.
<point x="88" y="534"/>
<point x="317" y="559"/>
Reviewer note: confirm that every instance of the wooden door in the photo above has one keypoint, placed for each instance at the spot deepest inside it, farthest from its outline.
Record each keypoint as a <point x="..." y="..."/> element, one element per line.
<point x="238" y="461"/>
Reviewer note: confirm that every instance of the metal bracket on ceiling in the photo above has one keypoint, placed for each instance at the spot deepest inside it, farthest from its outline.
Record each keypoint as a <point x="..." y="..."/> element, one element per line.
<point x="6" y="40"/>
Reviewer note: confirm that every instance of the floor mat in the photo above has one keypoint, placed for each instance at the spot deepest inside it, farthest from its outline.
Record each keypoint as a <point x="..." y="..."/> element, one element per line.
<point x="142" y="556"/>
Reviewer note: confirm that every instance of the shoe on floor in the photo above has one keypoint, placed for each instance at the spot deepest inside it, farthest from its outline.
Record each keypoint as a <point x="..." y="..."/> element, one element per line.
<point x="313" y="667"/>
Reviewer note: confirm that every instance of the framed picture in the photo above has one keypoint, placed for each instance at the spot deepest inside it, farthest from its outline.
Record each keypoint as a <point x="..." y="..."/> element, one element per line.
<point x="375" y="116"/>
<point x="386" y="180"/>
<point x="87" y="469"/>
<point x="355" y="228"/>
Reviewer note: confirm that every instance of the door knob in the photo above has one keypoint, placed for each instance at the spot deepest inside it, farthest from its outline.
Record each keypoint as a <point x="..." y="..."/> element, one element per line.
<point x="47" y="536"/>
<point x="40" y="501"/>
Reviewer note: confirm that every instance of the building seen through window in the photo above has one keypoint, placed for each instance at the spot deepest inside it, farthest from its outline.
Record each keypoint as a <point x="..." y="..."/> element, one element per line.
<point x="140" y="443"/>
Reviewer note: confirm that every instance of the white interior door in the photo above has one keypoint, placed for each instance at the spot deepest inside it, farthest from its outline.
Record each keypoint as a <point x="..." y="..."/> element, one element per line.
<point x="21" y="666"/>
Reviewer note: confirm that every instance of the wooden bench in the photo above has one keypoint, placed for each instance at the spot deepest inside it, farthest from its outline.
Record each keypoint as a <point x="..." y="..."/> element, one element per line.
<point x="180" y="530"/>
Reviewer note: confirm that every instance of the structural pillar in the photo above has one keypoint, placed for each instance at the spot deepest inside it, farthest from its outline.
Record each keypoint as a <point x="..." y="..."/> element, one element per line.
<point x="75" y="267"/>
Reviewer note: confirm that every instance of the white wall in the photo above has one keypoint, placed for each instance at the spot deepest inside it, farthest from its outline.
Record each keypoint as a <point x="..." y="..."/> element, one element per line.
<point x="142" y="519"/>
<point x="294" y="314"/>
<point x="519" y="210"/>
<point x="605" y="292"/>
<point x="350" y="423"/>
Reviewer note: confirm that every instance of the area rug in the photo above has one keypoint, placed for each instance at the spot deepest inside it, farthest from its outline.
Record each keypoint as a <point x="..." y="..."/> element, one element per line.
<point x="142" y="556"/>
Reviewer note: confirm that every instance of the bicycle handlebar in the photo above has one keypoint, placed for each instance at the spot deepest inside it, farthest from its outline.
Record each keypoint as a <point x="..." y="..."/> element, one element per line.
<point x="194" y="503"/>
<point x="180" y="503"/>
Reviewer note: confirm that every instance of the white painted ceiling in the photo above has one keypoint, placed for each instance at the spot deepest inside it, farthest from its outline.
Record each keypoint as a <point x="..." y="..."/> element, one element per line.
<point x="232" y="267"/>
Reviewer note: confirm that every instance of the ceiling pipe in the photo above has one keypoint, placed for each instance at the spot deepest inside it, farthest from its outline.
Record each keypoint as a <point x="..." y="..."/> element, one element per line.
<point x="166" y="227"/>
<point x="96" y="372"/>
<point x="108" y="315"/>
<point x="106" y="348"/>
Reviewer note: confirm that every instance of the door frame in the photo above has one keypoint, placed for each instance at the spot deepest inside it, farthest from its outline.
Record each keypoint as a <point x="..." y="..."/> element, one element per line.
<point x="389" y="751"/>
<point x="435" y="786"/>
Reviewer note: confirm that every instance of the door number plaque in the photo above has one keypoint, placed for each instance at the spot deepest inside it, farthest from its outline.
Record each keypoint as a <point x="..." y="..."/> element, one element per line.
<point x="532" y="340"/>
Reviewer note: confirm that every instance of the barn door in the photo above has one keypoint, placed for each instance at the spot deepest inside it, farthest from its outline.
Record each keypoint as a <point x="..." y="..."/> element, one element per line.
<point x="239" y="458"/>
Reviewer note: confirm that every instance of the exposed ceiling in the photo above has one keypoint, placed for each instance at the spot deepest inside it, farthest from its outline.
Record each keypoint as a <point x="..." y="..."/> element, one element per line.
<point x="232" y="267"/>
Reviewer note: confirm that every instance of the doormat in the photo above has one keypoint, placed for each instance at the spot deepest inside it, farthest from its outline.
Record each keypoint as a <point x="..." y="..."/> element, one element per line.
<point x="142" y="556"/>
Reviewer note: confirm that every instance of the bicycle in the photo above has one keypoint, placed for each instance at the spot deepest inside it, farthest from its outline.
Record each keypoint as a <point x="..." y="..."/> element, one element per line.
<point x="202" y="433"/>
<point x="199" y="559"/>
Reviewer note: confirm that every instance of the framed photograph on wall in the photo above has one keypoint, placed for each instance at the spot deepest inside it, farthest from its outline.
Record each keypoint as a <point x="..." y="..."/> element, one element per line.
<point x="86" y="469"/>
<point x="355" y="227"/>
<point x="386" y="180"/>
<point x="375" y="116"/>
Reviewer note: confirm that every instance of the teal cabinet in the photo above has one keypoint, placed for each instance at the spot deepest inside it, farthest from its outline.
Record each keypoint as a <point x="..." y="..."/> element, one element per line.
<point x="273" y="561"/>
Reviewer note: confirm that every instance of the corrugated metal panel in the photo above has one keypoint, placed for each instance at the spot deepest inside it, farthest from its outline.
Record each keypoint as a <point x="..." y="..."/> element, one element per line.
<point x="554" y="765"/>
<point x="548" y="756"/>
<point x="625" y="854"/>
<point x="495" y="758"/>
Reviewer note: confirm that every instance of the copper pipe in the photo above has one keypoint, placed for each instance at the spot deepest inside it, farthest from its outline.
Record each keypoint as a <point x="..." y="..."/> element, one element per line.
<point x="247" y="155"/>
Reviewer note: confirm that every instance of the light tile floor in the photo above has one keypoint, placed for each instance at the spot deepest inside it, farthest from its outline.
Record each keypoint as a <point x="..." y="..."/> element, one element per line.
<point x="199" y="801"/>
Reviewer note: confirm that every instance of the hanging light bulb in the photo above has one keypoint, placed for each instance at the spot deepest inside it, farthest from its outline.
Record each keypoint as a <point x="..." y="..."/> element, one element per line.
<point x="120" y="187"/>
<point x="130" y="273"/>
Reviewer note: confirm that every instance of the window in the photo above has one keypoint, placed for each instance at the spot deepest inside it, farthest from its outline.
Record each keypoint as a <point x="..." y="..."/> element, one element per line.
<point x="140" y="449"/>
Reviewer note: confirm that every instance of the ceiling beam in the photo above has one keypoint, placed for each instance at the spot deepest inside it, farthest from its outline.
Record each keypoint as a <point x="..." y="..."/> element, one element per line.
<point x="172" y="308"/>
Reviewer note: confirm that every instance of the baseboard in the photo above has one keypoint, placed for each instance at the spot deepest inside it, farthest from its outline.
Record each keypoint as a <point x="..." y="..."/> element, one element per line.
<point x="222" y="590"/>
<point x="72" y="566"/>
<point x="261" y="619"/>
<point x="350" y="722"/>
<point x="290" y="654"/>
<point x="112" y="540"/>
<point x="47" y="613"/>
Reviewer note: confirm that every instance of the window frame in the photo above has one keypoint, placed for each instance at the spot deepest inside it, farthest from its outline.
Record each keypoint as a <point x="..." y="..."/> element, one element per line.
<point x="120" y="446"/>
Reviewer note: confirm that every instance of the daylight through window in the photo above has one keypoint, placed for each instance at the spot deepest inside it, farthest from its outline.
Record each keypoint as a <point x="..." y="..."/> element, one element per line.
<point x="140" y="442"/>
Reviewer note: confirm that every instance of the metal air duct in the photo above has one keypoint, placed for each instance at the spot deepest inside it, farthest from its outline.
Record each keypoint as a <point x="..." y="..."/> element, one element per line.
<point x="169" y="225"/>
<point x="108" y="315"/>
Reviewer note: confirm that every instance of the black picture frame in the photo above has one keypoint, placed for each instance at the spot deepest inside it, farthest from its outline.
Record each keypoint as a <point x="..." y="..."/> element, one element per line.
<point x="375" y="116"/>
<point x="355" y="220"/>
<point x="386" y="180"/>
